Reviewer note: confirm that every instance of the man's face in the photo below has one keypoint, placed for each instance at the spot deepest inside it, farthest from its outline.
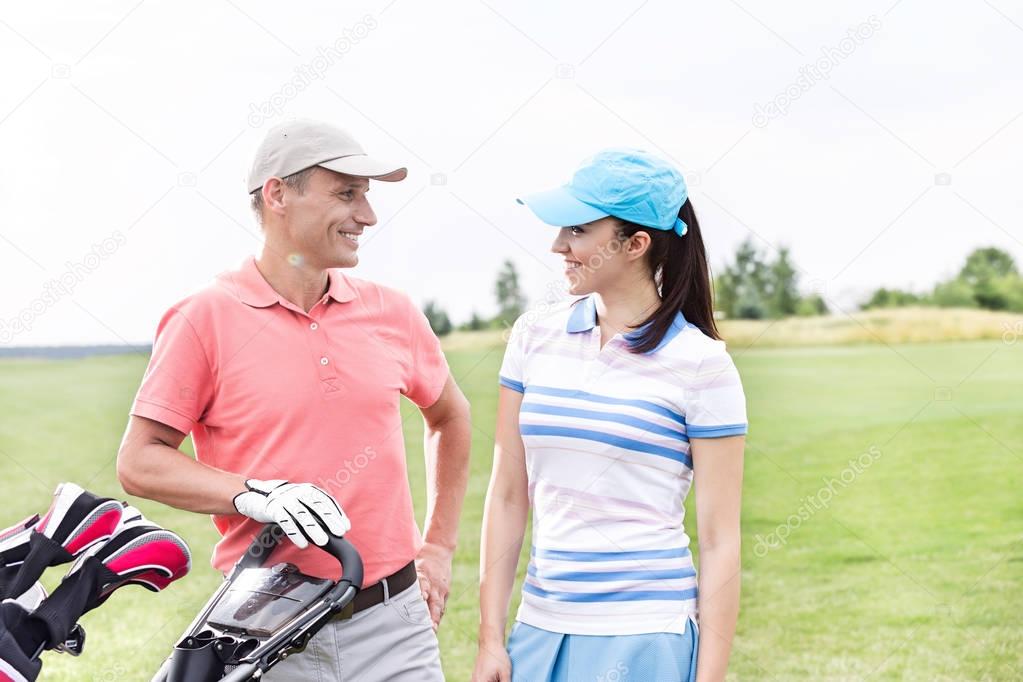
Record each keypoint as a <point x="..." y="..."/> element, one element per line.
<point x="322" y="225"/>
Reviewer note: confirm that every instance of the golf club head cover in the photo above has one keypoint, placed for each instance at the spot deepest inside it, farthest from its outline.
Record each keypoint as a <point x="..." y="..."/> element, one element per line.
<point x="29" y="638"/>
<point x="76" y="521"/>
<point x="13" y="550"/>
<point x="139" y="552"/>
<point x="16" y="664"/>
<point x="30" y="598"/>
<point x="21" y="528"/>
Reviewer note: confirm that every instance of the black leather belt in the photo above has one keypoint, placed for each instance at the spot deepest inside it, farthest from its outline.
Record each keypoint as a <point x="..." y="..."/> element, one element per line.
<point x="370" y="596"/>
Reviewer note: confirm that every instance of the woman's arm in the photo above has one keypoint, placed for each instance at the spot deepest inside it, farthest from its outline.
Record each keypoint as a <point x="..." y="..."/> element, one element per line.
<point x="717" y="485"/>
<point x="504" y="526"/>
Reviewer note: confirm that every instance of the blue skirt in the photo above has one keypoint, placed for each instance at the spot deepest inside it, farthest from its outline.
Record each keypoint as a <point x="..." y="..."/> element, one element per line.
<point x="543" y="656"/>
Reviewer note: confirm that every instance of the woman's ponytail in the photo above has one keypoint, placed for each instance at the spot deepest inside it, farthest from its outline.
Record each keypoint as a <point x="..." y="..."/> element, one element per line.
<point x="682" y="276"/>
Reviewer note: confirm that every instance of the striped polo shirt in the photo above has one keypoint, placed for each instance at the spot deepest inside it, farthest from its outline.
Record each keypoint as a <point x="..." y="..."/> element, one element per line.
<point x="606" y="435"/>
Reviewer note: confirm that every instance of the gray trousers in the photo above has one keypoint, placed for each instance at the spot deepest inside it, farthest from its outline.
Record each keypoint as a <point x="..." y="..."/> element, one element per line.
<point x="390" y="641"/>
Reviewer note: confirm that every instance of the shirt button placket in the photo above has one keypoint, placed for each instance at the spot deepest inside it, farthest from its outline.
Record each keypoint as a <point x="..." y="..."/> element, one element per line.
<point x="325" y="367"/>
<point x="593" y="352"/>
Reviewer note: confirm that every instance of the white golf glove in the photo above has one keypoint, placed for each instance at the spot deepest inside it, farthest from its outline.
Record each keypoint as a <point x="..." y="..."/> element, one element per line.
<point x="301" y="510"/>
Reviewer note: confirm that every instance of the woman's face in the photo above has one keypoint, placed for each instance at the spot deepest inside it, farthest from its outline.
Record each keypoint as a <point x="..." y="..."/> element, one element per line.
<point x="593" y="255"/>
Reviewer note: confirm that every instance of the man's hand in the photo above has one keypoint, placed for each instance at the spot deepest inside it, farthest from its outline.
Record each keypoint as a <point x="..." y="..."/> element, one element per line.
<point x="301" y="510"/>
<point x="433" y="566"/>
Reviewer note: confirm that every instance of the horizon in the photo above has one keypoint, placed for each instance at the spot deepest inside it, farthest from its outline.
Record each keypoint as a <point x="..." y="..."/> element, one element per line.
<point x="878" y="154"/>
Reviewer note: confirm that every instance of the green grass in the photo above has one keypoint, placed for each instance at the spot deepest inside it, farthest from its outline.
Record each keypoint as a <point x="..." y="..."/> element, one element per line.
<point x="914" y="570"/>
<point x="878" y="325"/>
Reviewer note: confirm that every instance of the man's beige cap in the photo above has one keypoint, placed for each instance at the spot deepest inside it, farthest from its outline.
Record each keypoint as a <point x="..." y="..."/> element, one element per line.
<point x="303" y="143"/>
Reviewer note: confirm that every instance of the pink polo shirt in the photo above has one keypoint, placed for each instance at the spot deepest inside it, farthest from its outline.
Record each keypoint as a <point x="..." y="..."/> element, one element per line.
<point x="269" y="391"/>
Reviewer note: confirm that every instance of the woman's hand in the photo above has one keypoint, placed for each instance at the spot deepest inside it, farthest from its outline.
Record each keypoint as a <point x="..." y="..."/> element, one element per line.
<point x="504" y="525"/>
<point x="492" y="664"/>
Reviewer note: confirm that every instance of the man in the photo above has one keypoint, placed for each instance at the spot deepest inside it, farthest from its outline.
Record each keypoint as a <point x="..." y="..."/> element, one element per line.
<point x="288" y="373"/>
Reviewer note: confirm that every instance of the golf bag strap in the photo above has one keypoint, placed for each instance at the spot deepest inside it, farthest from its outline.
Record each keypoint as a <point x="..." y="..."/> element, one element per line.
<point x="77" y="593"/>
<point x="15" y="664"/>
<point x="43" y="553"/>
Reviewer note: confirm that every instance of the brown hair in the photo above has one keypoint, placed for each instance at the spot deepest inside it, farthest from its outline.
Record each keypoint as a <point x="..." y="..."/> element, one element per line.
<point x="296" y="181"/>
<point x="682" y="274"/>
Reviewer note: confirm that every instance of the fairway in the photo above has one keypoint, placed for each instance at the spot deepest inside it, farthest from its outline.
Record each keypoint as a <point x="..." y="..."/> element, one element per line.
<point x="882" y="515"/>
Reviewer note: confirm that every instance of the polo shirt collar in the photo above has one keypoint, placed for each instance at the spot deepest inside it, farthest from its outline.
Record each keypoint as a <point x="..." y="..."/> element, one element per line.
<point x="255" y="291"/>
<point x="583" y="318"/>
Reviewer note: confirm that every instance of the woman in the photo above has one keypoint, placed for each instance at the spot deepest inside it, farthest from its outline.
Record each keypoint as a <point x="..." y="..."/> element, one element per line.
<point x="610" y="409"/>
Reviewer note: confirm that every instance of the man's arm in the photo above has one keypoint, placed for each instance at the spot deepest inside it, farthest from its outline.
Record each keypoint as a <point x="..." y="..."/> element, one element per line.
<point x="448" y="440"/>
<point x="150" y="465"/>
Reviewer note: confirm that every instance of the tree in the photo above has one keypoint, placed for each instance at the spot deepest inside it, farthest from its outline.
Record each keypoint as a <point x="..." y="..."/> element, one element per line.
<point x="751" y="287"/>
<point x="783" y="297"/>
<point x="891" y="298"/>
<point x="988" y="279"/>
<point x="475" y="323"/>
<point x="1011" y="288"/>
<point x="749" y="305"/>
<point x="990" y="272"/>
<point x="987" y="264"/>
<point x="812" y="305"/>
<point x="439" y="321"/>
<point x="740" y="286"/>
<point x="510" y="300"/>
<point x="955" y="293"/>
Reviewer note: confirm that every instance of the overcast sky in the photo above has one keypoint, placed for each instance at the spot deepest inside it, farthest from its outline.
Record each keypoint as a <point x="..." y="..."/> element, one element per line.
<point x="880" y="141"/>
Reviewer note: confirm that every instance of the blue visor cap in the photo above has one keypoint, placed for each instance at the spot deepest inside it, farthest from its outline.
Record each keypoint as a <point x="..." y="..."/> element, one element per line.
<point x="626" y="183"/>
